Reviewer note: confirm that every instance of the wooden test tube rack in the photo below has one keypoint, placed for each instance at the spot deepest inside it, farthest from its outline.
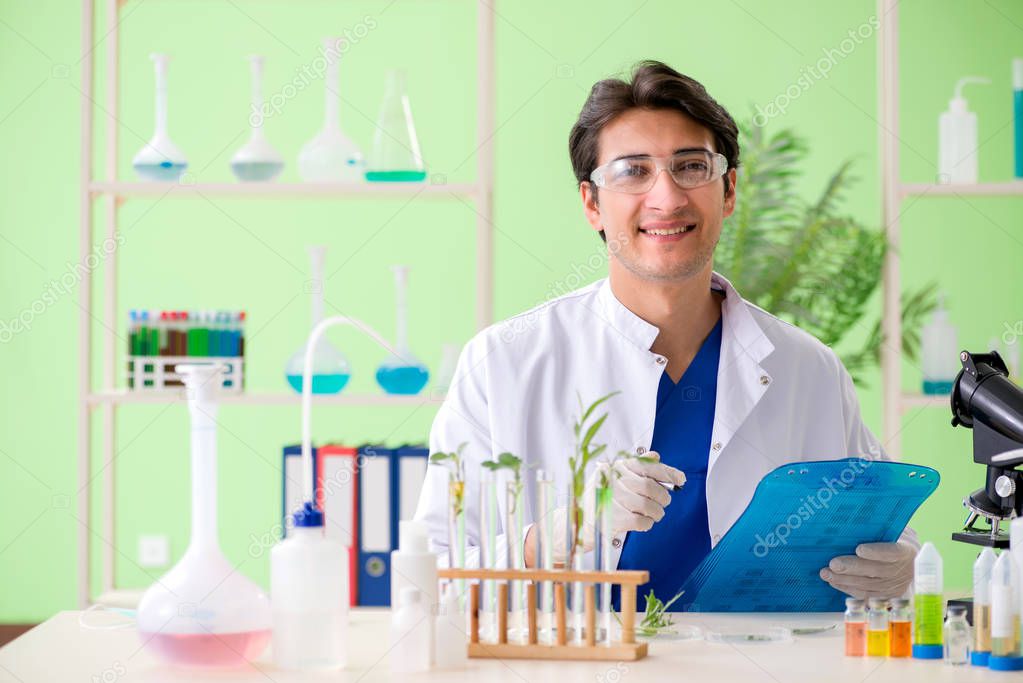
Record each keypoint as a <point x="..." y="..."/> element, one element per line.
<point x="625" y="650"/>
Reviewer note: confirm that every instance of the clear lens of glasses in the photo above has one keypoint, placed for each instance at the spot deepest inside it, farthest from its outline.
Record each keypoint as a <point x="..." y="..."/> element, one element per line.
<point x="636" y="175"/>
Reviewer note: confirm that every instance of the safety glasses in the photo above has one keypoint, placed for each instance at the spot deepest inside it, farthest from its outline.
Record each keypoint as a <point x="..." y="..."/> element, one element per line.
<point x="636" y="175"/>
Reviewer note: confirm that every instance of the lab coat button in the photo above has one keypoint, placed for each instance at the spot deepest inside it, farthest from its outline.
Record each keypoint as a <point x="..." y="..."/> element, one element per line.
<point x="661" y="360"/>
<point x="717" y="537"/>
<point x="617" y="542"/>
<point x="716" y="446"/>
<point x="640" y="450"/>
<point x="764" y="379"/>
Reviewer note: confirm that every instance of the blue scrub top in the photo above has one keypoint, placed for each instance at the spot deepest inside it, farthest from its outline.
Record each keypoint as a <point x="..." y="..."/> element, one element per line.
<point x="682" y="432"/>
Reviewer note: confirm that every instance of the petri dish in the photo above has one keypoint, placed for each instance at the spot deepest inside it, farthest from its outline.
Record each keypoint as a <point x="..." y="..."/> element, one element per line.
<point x="675" y="632"/>
<point x="738" y="634"/>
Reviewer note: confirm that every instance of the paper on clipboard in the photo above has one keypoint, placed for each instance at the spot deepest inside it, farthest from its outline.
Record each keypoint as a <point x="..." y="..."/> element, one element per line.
<point x="801" y="516"/>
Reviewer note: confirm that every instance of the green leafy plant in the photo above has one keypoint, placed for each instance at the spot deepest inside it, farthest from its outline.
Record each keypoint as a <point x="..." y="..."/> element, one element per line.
<point x="456" y="465"/>
<point x="656" y="618"/>
<point x="512" y="463"/>
<point x="610" y="473"/>
<point x="585" y="452"/>
<point x="809" y="263"/>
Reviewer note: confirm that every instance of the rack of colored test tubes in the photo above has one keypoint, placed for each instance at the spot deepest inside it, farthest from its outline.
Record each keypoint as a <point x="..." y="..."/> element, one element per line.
<point x="159" y="340"/>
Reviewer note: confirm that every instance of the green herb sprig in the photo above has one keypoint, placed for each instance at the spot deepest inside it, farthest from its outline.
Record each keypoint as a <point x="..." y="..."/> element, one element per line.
<point x="656" y="618"/>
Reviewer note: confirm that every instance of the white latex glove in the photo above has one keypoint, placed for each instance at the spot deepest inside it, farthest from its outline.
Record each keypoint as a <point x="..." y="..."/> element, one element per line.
<point x="638" y="500"/>
<point x="877" y="570"/>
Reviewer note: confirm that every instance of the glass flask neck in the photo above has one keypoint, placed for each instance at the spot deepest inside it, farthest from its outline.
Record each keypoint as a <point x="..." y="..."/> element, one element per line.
<point x="316" y="259"/>
<point x="332" y="97"/>
<point x="256" y="64"/>
<point x="160" y="64"/>
<point x="204" y="482"/>
<point x="401" y="308"/>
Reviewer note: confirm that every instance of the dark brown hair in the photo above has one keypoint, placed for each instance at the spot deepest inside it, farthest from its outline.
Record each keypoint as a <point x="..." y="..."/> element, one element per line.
<point x="654" y="85"/>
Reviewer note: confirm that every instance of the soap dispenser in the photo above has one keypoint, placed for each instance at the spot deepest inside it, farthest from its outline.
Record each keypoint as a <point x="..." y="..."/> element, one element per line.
<point x="957" y="138"/>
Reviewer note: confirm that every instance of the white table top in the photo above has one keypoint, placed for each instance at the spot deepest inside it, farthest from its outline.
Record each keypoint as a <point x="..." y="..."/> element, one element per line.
<point x="59" y="650"/>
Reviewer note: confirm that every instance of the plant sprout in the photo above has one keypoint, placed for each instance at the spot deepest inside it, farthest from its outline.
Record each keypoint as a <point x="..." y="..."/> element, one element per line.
<point x="508" y="461"/>
<point x="456" y="465"/>
<point x="656" y="618"/>
<point x="609" y="473"/>
<point x="585" y="452"/>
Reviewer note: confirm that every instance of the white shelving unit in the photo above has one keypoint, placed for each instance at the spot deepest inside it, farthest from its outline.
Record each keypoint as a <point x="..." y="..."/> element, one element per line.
<point x="111" y="192"/>
<point x="893" y="193"/>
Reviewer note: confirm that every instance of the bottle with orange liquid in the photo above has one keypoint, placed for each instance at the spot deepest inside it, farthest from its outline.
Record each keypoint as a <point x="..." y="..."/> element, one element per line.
<point x="855" y="627"/>
<point x="900" y="630"/>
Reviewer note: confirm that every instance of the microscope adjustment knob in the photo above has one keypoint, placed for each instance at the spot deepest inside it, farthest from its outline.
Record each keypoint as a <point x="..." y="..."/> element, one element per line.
<point x="1004" y="486"/>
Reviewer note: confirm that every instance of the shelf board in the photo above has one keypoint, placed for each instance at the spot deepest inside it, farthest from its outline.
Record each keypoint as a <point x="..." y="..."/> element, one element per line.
<point x="924" y="401"/>
<point x="1006" y="189"/>
<point x="267" y="398"/>
<point x="272" y="190"/>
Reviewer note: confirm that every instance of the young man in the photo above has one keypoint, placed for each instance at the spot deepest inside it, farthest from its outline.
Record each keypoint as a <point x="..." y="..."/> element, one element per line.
<point x="716" y="389"/>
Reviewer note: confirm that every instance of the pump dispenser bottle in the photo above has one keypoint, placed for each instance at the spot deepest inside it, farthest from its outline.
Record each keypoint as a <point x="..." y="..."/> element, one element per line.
<point x="957" y="138"/>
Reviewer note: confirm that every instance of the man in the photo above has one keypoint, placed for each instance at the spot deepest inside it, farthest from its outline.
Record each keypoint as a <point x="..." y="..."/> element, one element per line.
<point x="716" y="389"/>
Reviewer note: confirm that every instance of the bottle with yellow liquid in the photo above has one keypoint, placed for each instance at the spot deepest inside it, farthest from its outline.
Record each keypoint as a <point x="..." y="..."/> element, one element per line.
<point x="1005" y="645"/>
<point x="928" y="604"/>
<point x="877" y="628"/>
<point x="982" y="607"/>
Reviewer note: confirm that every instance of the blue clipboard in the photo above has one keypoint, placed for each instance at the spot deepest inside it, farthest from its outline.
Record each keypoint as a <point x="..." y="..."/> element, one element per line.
<point x="801" y="516"/>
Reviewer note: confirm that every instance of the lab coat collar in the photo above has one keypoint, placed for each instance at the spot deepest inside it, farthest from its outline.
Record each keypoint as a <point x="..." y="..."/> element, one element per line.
<point x="742" y="330"/>
<point x="742" y="336"/>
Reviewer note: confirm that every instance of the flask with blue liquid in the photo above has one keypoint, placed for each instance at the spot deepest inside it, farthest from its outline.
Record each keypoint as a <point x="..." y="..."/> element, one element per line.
<point x="160" y="159"/>
<point x="402" y="372"/>
<point x="331" y="370"/>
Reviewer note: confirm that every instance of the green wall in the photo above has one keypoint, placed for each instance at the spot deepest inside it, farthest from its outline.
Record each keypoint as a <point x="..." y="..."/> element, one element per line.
<point x="224" y="253"/>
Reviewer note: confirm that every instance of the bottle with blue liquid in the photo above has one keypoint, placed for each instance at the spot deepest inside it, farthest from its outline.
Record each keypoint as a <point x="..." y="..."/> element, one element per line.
<point x="939" y="352"/>
<point x="160" y="159"/>
<point x="1017" y="113"/>
<point x="331" y="370"/>
<point x="402" y="373"/>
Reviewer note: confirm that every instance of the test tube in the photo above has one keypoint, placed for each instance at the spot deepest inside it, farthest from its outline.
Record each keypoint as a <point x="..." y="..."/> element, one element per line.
<point x="982" y="606"/>
<point x="488" y="553"/>
<point x="900" y="629"/>
<point x="602" y="561"/>
<point x="546" y="504"/>
<point x="877" y="628"/>
<point x="1004" y="614"/>
<point x="855" y="627"/>
<point x="927" y="604"/>
<point x="240" y="334"/>
<point x="456" y="529"/>
<point x="514" y="505"/>
<point x="574" y="561"/>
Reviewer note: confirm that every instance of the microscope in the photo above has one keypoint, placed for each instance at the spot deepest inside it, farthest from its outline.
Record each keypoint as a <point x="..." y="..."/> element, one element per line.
<point x="986" y="401"/>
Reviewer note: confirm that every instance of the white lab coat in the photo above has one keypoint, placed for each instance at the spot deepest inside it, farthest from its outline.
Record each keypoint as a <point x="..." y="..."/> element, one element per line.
<point x="782" y="396"/>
